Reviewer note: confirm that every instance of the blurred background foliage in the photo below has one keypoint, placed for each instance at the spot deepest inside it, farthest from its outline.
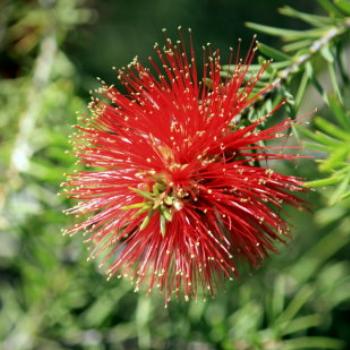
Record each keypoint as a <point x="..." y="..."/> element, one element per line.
<point x="50" y="298"/>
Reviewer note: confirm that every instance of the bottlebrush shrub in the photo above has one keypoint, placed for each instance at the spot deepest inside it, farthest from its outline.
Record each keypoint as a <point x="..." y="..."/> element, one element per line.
<point x="174" y="194"/>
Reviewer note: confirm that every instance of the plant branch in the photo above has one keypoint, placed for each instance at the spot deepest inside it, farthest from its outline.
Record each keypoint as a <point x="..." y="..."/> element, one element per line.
<point x="317" y="45"/>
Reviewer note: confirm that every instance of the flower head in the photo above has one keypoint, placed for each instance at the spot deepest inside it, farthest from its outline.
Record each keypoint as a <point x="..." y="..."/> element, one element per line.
<point x="175" y="194"/>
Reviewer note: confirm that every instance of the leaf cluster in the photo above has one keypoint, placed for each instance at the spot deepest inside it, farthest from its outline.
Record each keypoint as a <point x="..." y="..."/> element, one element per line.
<point x="310" y="61"/>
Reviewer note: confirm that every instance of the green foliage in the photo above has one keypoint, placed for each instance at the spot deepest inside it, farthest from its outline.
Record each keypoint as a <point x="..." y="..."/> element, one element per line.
<point x="305" y="58"/>
<point x="332" y="141"/>
<point x="51" y="298"/>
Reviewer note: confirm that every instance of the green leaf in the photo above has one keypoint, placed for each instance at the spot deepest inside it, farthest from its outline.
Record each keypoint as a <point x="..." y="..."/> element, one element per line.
<point x="166" y="212"/>
<point x="141" y="193"/>
<point x="331" y="129"/>
<point x="133" y="206"/>
<point x="334" y="81"/>
<point x="288" y="34"/>
<point x="320" y="89"/>
<point x="314" y="20"/>
<point x="302" y="323"/>
<point x="330" y="8"/>
<point x="327" y="54"/>
<point x="141" y="211"/>
<point x="336" y="159"/>
<point x="345" y="195"/>
<point x="301" y="90"/>
<point x="295" y="132"/>
<point x="272" y="52"/>
<point x="146" y="220"/>
<point x="310" y="342"/>
<point x="339" y="112"/>
<point x="318" y="137"/>
<point x="162" y="223"/>
<point x="322" y="182"/>
<point x="278" y="297"/>
<point x="326" y="247"/>
<point x="344" y="5"/>
<point x="296" y="304"/>
<point x="297" y="45"/>
<point x="254" y="68"/>
<point x="309" y="69"/>
<point x="340" y="190"/>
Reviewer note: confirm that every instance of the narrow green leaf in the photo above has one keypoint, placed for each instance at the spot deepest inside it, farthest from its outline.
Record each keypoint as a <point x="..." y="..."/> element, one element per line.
<point x="320" y="89"/>
<point x="310" y="342"/>
<point x="318" y="137"/>
<point x="339" y="48"/>
<point x="133" y="206"/>
<point x="225" y="74"/>
<point x="270" y="30"/>
<point x="329" y="7"/>
<point x="288" y="34"/>
<point x="267" y="107"/>
<point x="296" y="45"/>
<point x="146" y="220"/>
<point x="345" y="167"/>
<point x="344" y="5"/>
<point x="317" y="21"/>
<point x="301" y="90"/>
<point x="340" y="190"/>
<point x="141" y="211"/>
<point x="322" y="182"/>
<point x="141" y="193"/>
<point x="296" y="304"/>
<point x="327" y="54"/>
<point x="254" y="68"/>
<point x="302" y="323"/>
<point x="331" y="129"/>
<point x="334" y="81"/>
<point x="335" y="160"/>
<point x="278" y="297"/>
<point x="309" y="69"/>
<point x="295" y="132"/>
<point x="166" y="212"/>
<point x="339" y="112"/>
<point x="162" y="223"/>
<point x="320" y="252"/>
<point x="345" y="195"/>
<point x="249" y="75"/>
<point x="272" y="52"/>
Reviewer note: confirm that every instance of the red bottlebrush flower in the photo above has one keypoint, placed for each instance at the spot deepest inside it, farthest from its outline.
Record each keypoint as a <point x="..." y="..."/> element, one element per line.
<point x="175" y="194"/>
